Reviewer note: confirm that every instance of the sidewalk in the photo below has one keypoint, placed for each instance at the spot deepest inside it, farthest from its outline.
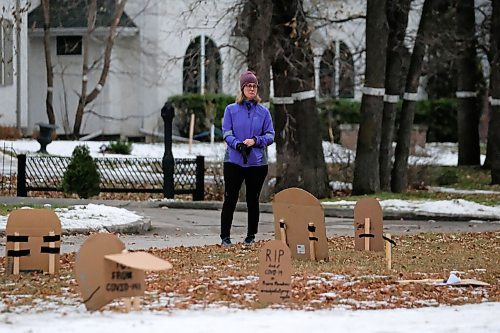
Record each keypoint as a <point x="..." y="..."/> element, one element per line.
<point x="163" y="223"/>
<point x="340" y="212"/>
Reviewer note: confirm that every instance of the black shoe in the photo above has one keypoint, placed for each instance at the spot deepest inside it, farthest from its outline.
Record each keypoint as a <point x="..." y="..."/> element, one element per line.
<point x="249" y="240"/>
<point x="226" y="242"/>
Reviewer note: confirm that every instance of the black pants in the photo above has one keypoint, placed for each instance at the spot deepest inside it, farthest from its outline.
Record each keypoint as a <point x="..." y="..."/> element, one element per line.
<point x="233" y="178"/>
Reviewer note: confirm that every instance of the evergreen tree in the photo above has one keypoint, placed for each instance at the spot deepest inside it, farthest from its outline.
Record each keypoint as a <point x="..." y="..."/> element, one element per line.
<point x="81" y="176"/>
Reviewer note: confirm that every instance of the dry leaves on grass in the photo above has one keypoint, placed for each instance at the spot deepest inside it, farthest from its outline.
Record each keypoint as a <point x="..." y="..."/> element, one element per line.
<point x="209" y="276"/>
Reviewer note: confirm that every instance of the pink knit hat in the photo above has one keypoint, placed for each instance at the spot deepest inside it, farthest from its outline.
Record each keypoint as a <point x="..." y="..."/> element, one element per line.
<point x="246" y="78"/>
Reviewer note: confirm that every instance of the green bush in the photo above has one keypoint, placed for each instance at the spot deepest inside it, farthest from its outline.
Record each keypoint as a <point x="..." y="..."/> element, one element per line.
<point x="208" y="109"/>
<point x="81" y="176"/>
<point x="333" y="113"/>
<point x="438" y="115"/>
<point x="119" y="147"/>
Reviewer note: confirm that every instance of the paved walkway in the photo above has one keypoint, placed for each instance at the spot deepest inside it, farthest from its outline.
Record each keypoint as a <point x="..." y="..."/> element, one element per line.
<point x="176" y="223"/>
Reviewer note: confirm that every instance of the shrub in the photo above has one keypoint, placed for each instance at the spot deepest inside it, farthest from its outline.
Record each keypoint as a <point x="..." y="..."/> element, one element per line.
<point x="81" y="176"/>
<point x="333" y="113"/>
<point x="208" y="109"/>
<point x="120" y="147"/>
<point x="439" y="115"/>
<point x="9" y="132"/>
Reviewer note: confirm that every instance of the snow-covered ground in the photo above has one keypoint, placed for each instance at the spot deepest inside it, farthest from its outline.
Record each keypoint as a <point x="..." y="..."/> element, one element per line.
<point x="457" y="207"/>
<point x="89" y="217"/>
<point x="433" y="154"/>
<point x="478" y="318"/>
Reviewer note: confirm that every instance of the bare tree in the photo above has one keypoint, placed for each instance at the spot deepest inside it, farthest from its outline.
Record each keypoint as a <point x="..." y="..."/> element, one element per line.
<point x="88" y="98"/>
<point x="366" y="168"/>
<point x="494" y="125"/>
<point x="397" y="18"/>
<point x="467" y="78"/>
<point x="300" y="159"/>
<point x="399" y="179"/>
<point x="48" y="61"/>
<point x="258" y="16"/>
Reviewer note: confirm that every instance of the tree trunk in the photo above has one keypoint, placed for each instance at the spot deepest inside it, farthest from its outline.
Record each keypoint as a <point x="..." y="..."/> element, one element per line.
<point x="300" y="158"/>
<point x="397" y="17"/>
<point x="48" y="62"/>
<point x="467" y="77"/>
<point x="84" y="98"/>
<point x="258" y="15"/>
<point x="91" y="15"/>
<point x="366" y="168"/>
<point x="494" y="125"/>
<point x="399" y="179"/>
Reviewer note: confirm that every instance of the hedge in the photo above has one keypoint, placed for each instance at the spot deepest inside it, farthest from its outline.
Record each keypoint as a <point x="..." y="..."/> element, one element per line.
<point x="208" y="109"/>
<point x="438" y="115"/>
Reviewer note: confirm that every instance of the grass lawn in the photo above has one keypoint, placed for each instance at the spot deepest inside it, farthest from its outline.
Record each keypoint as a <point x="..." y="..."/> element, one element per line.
<point x="421" y="177"/>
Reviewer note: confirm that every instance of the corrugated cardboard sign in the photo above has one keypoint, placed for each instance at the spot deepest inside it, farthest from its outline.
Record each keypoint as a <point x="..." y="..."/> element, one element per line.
<point x="33" y="241"/>
<point x="105" y="272"/>
<point x="275" y="267"/>
<point x="368" y="225"/>
<point x="296" y="208"/>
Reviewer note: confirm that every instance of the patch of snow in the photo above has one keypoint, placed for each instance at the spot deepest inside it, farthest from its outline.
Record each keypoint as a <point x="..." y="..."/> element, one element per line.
<point x="431" y="320"/>
<point x="91" y="216"/>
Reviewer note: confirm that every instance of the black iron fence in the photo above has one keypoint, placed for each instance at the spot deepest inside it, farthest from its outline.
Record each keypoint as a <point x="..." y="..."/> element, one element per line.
<point x="45" y="173"/>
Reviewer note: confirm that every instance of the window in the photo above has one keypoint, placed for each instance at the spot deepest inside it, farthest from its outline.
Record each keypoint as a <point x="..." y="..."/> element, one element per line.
<point x="331" y="65"/>
<point x="193" y="66"/>
<point x="69" y="45"/>
<point x="6" y="53"/>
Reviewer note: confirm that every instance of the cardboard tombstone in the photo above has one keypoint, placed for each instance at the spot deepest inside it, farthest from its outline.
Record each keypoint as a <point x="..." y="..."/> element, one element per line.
<point x="299" y="221"/>
<point x="105" y="271"/>
<point x="33" y="241"/>
<point x="275" y="267"/>
<point x="368" y="225"/>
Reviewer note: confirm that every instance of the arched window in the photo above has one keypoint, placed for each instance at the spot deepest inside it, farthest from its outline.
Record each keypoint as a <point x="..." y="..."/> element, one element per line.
<point x="328" y="77"/>
<point x="193" y="67"/>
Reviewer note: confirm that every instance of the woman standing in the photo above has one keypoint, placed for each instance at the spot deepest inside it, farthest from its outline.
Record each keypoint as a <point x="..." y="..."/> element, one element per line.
<point x="247" y="129"/>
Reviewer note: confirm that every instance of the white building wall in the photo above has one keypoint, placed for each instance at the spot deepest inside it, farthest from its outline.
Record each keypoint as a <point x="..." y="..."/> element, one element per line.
<point x="147" y="68"/>
<point x="8" y="94"/>
<point x="67" y="71"/>
<point x="167" y="28"/>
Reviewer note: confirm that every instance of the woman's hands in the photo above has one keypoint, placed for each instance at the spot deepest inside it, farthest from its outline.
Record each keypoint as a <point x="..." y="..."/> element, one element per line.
<point x="249" y="142"/>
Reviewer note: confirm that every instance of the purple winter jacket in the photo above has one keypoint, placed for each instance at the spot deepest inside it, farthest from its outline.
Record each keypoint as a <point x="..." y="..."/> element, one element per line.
<point x="240" y="123"/>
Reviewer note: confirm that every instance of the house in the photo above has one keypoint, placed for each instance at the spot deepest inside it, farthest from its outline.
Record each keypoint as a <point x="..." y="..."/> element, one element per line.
<point x="162" y="48"/>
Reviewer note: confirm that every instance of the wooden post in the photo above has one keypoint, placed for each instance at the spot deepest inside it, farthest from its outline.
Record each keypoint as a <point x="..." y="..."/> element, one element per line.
<point x="330" y="132"/>
<point x="132" y="303"/>
<point x="312" y="240"/>
<point x="52" y="256"/>
<point x="367" y="232"/>
<point x="388" y="251"/>
<point x="283" y="231"/>
<point x="191" y="132"/>
<point x="16" y="259"/>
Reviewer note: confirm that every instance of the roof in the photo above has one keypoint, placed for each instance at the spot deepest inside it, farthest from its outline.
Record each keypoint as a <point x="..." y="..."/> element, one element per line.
<point x="72" y="14"/>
